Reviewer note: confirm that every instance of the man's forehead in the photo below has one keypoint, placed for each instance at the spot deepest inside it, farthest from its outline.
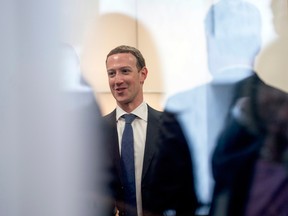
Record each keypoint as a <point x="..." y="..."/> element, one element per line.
<point x="127" y="56"/>
<point x="122" y="59"/>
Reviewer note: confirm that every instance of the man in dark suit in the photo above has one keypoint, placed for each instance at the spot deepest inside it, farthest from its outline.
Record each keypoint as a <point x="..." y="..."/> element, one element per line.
<point x="126" y="74"/>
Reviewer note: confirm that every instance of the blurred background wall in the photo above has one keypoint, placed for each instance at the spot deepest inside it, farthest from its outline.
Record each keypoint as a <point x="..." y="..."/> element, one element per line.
<point x="171" y="35"/>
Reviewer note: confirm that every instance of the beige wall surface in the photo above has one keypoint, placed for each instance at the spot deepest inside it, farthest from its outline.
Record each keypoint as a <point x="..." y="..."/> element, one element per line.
<point x="272" y="64"/>
<point x="171" y="36"/>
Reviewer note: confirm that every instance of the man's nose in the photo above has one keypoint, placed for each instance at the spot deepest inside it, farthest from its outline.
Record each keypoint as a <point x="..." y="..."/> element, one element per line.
<point x="118" y="78"/>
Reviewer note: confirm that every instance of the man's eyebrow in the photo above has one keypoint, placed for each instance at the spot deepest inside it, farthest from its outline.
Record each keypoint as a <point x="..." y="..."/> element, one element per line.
<point x="120" y="68"/>
<point x="125" y="67"/>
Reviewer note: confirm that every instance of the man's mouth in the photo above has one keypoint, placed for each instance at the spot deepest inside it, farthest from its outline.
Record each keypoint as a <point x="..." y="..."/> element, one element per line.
<point x="120" y="90"/>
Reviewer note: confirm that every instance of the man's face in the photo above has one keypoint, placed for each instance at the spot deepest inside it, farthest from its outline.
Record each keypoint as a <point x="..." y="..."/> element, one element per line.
<point x="125" y="79"/>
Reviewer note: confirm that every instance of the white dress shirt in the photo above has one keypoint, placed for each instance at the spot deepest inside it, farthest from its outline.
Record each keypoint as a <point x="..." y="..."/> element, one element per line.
<point x="139" y="126"/>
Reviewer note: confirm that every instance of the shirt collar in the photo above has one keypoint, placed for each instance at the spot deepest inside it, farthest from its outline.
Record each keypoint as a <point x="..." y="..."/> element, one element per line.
<point x="141" y="112"/>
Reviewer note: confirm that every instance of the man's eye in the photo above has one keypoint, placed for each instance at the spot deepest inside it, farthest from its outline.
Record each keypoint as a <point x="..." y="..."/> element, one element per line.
<point x="111" y="73"/>
<point x="125" y="71"/>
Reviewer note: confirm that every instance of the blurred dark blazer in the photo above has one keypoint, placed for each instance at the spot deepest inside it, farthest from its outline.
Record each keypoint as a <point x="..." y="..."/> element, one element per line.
<point x="239" y="147"/>
<point x="233" y="166"/>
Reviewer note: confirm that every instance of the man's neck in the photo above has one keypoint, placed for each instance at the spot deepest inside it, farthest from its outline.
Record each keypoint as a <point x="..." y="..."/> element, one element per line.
<point x="129" y="107"/>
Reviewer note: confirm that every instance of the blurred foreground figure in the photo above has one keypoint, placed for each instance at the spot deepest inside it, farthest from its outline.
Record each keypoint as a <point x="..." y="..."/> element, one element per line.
<point x="251" y="158"/>
<point x="233" y="35"/>
<point x="50" y="161"/>
<point x="86" y="137"/>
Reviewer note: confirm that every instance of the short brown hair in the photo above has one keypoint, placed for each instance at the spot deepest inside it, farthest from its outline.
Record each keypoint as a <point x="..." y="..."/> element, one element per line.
<point x="128" y="49"/>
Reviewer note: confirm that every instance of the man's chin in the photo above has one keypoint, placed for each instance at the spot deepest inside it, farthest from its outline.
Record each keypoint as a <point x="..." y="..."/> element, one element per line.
<point x="122" y="100"/>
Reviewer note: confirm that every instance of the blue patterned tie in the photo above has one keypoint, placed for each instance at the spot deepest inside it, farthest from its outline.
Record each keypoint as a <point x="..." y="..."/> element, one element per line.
<point x="128" y="167"/>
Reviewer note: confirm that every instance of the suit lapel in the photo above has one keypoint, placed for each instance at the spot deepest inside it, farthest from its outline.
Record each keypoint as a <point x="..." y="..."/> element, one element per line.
<point x="151" y="138"/>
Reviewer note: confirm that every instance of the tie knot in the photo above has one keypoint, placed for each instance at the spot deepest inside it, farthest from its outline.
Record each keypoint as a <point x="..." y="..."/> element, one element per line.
<point x="129" y="118"/>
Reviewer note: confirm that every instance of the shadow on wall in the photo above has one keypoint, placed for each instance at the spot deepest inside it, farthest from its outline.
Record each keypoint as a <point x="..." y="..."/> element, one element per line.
<point x="111" y="30"/>
<point x="233" y="34"/>
<point x="272" y="63"/>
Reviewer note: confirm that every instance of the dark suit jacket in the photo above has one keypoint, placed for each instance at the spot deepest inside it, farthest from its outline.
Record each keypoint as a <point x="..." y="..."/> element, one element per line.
<point x="167" y="181"/>
<point x="154" y="117"/>
<point x="173" y="187"/>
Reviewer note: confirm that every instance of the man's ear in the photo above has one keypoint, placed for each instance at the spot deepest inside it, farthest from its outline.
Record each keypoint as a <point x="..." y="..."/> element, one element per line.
<point x="143" y="74"/>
